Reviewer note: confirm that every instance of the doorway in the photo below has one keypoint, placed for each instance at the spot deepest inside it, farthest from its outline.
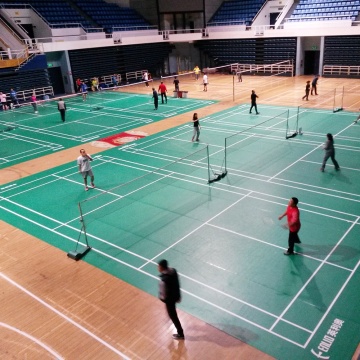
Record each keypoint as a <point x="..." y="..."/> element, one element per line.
<point x="311" y="62"/>
<point x="56" y="80"/>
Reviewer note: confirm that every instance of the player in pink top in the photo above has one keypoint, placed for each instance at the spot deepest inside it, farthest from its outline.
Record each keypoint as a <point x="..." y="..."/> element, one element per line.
<point x="293" y="222"/>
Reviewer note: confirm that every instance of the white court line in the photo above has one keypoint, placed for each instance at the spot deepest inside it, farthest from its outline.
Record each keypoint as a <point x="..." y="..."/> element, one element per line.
<point x="65" y="317"/>
<point x="295" y="162"/>
<point x="332" y="303"/>
<point x="196" y="229"/>
<point x="342" y="167"/>
<point x="220" y="185"/>
<point x="32" y="338"/>
<point x="332" y="192"/>
<point x="138" y="269"/>
<point x="313" y="276"/>
<point x="276" y="246"/>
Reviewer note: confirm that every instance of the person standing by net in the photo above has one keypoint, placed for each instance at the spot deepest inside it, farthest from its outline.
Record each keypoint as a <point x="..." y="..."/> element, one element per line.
<point x="62" y="109"/>
<point x="253" y="98"/>
<point x="169" y="293"/>
<point x="196" y="132"/>
<point x="329" y="153"/>
<point x="307" y="91"/>
<point x="85" y="169"/>
<point x="293" y="223"/>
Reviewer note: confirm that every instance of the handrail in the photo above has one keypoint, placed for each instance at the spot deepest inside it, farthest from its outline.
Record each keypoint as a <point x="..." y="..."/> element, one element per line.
<point x="333" y="17"/>
<point x="341" y="70"/>
<point x="14" y="54"/>
<point x="137" y="27"/>
<point x="135" y="74"/>
<point x="227" y="23"/>
<point x="24" y="95"/>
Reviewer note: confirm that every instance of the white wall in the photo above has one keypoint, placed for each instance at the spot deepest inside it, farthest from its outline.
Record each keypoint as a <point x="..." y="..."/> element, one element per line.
<point x="273" y="6"/>
<point x="27" y="16"/>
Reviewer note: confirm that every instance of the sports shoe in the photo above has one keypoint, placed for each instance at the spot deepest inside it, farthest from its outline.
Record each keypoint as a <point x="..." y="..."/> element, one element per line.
<point x="288" y="253"/>
<point x="86" y="188"/>
<point x="93" y="185"/>
<point x="322" y="170"/>
<point x="178" y="337"/>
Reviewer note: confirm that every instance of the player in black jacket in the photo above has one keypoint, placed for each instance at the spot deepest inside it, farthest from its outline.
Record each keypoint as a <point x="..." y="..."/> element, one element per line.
<point x="169" y="293"/>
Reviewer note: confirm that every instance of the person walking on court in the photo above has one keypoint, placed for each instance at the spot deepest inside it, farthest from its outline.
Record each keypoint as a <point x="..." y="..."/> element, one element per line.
<point x="169" y="293"/>
<point x="162" y="89"/>
<point x="85" y="169"/>
<point x="253" y="101"/>
<point x="3" y="101"/>
<point x="293" y="223"/>
<point x="197" y="127"/>
<point x="314" y="85"/>
<point x="176" y="83"/>
<point x="62" y="109"/>
<point x="156" y="99"/>
<point x="34" y="103"/>
<point x="13" y="97"/>
<point x="146" y="78"/>
<point x="307" y="91"/>
<point x="84" y="90"/>
<point x="196" y="72"/>
<point x="329" y="153"/>
<point x="205" y="82"/>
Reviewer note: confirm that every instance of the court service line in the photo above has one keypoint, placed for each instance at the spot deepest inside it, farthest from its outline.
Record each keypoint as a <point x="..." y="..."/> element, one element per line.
<point x="142" y="271"/>
<point x="246" y="190"/>
<point x="197" y="228"/>
<point x="276" y="246"/>
<point x="306" y="155"/>
<point x="150" y="261"/>
<point x="202" y="299"/>
<point x="264" y="180"/>
<point x="34" y="141"/>
<point x="313" y="275"/>
<point x="332" y="303"/>
<point x="32" y="338"/>
<point x="65" y="317"/>
<point x="342" y="167"/>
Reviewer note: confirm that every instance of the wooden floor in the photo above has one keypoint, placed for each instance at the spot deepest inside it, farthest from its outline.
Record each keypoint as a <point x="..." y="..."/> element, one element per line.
<point x="52" y="307"/>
